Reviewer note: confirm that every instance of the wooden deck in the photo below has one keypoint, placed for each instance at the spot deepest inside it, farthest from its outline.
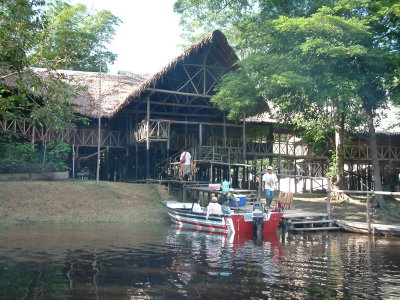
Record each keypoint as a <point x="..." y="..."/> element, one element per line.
<point x="300" y="220"/>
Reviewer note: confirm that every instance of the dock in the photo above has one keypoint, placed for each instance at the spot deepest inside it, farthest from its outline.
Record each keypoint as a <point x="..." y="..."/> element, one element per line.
<point x="300" y="221"/>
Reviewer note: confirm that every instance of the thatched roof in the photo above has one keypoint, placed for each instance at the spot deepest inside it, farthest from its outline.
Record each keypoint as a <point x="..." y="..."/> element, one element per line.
<point x="226" y="55"/>
<point x="263" y="117"/>
<point x="119" y="90"/>
<point x="115" y="89"/>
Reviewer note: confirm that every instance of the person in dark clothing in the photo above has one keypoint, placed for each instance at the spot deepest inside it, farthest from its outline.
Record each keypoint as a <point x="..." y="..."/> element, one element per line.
<point x="227" y="197"/>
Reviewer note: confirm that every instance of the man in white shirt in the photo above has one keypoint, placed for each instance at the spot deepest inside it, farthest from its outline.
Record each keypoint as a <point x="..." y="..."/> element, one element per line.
<point x="185" y="160"/>
<point x="214" y="207"/>
<point x="269" y="181"/>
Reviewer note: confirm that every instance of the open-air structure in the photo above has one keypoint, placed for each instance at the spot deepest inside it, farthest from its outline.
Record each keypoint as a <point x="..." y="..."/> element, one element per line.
<point x="145" y="120"/>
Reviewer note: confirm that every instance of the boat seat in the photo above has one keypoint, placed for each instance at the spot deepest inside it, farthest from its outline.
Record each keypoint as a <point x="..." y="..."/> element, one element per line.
<point x="286" y="198"/>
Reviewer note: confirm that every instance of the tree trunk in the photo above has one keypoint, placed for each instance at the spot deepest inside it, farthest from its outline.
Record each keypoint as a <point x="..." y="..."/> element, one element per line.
<point x="375" y="162"/>
<point x="339" y="148"/>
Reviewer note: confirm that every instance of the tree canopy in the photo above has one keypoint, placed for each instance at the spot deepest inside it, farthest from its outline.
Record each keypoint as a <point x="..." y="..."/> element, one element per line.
<point x="53" y="35"/>
<point x="75" y="39"/>
<point x="325" y="66"/>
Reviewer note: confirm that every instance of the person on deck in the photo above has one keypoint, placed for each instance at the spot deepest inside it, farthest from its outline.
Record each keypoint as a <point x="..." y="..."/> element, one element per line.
<point x="185" y="160"/>
<point x="269" y="181"/>
<point x="225" y="185"/>
<point x="214" y="207"/>
<point x="227" y="197"/>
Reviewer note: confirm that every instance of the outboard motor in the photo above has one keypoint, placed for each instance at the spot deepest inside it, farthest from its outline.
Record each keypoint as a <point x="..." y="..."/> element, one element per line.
<point x="258" y="219"/>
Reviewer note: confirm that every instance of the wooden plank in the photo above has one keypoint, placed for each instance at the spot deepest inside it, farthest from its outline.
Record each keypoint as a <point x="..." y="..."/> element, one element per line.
<point x="310" y="222"/>
<point x="178" y="93"/>
<point x="315" y="229"/>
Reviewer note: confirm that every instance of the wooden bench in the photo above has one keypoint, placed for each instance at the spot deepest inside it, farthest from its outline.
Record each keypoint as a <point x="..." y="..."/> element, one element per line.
<point x="286" y="198"/>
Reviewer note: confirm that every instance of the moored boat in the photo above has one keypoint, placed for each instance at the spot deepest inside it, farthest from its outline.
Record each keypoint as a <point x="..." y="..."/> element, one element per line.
<point x="236" y="222"/>
<point x="362" y="227"/>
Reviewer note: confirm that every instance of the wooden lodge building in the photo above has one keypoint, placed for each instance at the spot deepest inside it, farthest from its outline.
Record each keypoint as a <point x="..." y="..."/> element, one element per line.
<point x="146" y="120"/>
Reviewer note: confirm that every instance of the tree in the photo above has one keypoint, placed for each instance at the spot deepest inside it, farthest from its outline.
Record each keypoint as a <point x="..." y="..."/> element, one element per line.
<point x="20" y="24"/>
<point x="313" y="66"/>
<point x="74" y="39"/>
<point x="32" y="34"/>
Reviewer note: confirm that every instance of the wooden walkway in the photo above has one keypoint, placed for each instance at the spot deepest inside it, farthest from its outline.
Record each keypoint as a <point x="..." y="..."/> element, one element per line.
<point x="300" y="220"/>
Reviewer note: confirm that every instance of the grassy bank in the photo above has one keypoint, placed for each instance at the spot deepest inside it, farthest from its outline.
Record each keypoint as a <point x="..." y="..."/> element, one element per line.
<point x="80" y="201"/>
<point x="84" y="201"/>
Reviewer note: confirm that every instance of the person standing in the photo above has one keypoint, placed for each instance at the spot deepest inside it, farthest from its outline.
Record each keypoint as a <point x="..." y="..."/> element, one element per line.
<point x="185" y="160"/>
<point x="269" y="181"/>
<point x="225" y="186"/>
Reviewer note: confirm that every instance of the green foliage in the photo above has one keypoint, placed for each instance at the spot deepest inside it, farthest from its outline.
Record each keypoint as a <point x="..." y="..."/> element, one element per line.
<point x="20" y="25"/>
<point x="74" y="38"/>
<point x="57" y="154"/>
<point x="20" y="157"/>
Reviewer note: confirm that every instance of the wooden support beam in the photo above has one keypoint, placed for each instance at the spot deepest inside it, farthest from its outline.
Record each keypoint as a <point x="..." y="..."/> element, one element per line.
<point x="178" y="93"/>
<point x="183" y="105"/>
<point x="148" y="139"/>
<point x="216" y="115"/>
<point x="194" y="122"/>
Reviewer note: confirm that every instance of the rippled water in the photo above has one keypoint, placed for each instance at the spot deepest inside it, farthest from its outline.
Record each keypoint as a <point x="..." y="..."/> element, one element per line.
<point x="158" y="262"/>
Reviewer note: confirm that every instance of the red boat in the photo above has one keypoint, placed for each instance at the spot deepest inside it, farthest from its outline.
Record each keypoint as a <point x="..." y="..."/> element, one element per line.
<point x="242" y="221"/>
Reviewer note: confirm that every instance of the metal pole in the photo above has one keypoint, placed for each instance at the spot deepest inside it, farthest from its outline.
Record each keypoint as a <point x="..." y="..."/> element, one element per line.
<point x="148" y="139"/>
<point x="99" y="124"/>
<point x="73" y="161"/>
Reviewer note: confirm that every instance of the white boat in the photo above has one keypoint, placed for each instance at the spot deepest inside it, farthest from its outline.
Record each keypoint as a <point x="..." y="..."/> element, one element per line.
<point x="236" y="222"/>
<point x="362" y="227"/>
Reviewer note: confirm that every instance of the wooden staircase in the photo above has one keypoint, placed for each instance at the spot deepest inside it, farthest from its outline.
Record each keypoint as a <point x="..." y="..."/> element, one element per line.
<point x="296" y="220"/>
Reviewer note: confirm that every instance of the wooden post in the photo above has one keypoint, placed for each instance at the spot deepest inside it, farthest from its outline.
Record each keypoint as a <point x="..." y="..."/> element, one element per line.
<point x="224" y="128"/>
<point x="368" y="215"/>
<point x="200" y="134"/>
<point x="244" y="137"/>
<point x="148" y="139"/>
<point x="107" y="167"/>
<point x="259" y="174"/>
<point x="184" y="193"/>
<point x="98" y="151"/>
<point x="328" y="198"/>
<point x="77" y="155"/>
<point x="168" y="138"/>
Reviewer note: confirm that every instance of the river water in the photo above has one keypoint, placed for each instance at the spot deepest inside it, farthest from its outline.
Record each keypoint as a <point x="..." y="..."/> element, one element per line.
<point x="114" y="261"/>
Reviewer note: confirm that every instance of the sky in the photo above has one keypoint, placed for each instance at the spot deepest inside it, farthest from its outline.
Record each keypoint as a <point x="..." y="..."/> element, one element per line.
<point x="148" y="37"/>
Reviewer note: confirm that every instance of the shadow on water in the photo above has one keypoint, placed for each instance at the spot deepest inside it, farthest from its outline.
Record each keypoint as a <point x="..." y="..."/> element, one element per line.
<point x="117" y="261"/>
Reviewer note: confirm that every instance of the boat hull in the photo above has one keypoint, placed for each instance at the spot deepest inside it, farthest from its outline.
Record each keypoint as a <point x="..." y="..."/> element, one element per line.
<point x="183" y="217"/>
<point x="362" y="227"/>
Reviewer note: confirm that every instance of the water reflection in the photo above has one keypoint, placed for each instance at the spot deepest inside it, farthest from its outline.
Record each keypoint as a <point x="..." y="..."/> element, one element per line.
<point x="147" y="262"/>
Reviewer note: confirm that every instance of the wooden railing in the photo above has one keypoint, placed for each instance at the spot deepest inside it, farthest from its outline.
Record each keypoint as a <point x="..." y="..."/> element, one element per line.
<point x="156" y="130"/>
<point x="229" y="155"/>
<point x="364" y="152"/>
<point x="79" y="136"/>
